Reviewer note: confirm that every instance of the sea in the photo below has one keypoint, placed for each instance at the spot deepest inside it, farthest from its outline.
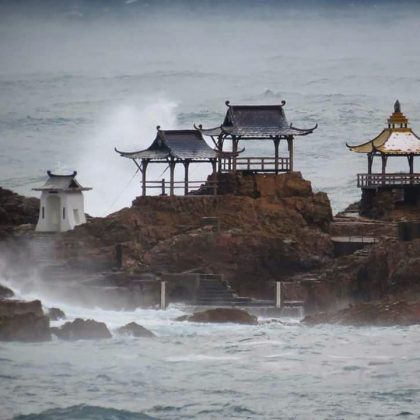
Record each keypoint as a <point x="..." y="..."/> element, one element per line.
<point x="79" y="78"/>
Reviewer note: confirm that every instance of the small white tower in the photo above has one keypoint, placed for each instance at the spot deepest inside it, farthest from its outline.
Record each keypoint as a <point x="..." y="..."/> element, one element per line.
<point x="61" y="206"/>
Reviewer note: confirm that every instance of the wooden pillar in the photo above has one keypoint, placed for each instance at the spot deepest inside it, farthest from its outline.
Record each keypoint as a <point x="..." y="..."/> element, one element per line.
<point x="172" y="164"/>
<point x="144" y="163"/>
<point x="411" y="163"/>
<point x="276" y="141"/>
<point x="370" y="161"/>
<point x="290" y="147"/>
<point x="384" y="159"/>
<point x="214" y="176"/>
<point x="220" y="149"/>
<point x="186" y="165"/>
<point x="235" y="142"/>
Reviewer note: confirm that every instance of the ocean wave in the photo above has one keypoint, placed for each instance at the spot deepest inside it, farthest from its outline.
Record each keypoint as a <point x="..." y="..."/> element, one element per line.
<point x="86" y="412"/>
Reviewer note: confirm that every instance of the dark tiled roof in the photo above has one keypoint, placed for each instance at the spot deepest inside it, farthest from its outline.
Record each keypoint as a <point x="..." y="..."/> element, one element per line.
<point x="179" y="144"/>
<point x="255" y="121"/>
<point x="61" y="183"/>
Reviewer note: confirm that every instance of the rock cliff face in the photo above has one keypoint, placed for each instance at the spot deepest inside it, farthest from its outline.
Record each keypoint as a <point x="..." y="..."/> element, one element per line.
<point x="370" y="314"/>
<point x="16" y="209"/>
<point x="23" y="321"/>
<point x="262" y="228"/>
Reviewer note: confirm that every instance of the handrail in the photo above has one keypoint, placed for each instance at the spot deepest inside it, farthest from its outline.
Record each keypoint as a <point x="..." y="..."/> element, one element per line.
<point x="390" y="179"/>
<point x="165" y="186"/>
<point x="256" y="163"/>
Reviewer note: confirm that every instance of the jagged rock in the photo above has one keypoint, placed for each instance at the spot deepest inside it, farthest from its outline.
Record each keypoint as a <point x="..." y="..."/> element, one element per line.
<point x="5" y="292"/>
<point x="81" y="329"/>
<point x="55" y="314"/>
<point x="19" y="307"/>
<point x="221" y="315"/>
<point x="370" y="314"/>
<point x="135" y="330"/>
<point x="16" y="209"/>
<point x="23" y="321"/>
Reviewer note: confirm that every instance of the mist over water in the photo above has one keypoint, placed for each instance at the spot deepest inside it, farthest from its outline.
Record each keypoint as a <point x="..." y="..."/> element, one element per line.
<point x="78" y="78"/>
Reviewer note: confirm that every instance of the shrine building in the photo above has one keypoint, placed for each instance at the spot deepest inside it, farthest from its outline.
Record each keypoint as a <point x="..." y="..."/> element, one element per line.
<point x="395" y="141"/>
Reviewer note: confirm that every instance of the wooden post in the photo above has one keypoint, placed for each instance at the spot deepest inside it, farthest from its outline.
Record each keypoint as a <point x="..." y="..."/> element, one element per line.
<point x="276" y="141"/>
<point x="144" y="163"/>
<point x="290" y="147"/>
<point x="370" y="161"/>
<point x="163" y="295"/>
<point x="235" y="142"/>
<point x="278" y="294"/>
<point x="384" y="159"/>
<point x="163" y="186"/>
<point x="172" y="164"/>
<point x="186" y="165"/>
<point x="220" y="149"/>
<point x="214" y="176"/>
<point x="411" y="163"/>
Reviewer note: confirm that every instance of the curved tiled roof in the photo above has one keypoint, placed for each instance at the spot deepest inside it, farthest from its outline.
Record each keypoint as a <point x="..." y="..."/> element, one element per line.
<point x="397" y="139"/>
<point x="256" y="121"/>
<point x="177" y="144"/>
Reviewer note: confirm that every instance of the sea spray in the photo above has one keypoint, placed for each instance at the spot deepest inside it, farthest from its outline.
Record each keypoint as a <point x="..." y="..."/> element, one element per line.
<point x="115" y="180"/>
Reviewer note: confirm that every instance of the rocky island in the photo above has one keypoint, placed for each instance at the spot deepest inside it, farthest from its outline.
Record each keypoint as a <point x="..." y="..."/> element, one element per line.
<point x="259" y="230"/>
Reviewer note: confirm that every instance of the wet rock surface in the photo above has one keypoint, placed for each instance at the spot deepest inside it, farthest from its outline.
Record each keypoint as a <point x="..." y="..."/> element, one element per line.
<point x="370" y="314"/>
<point x="23" y="321"/>
<point x="16" y="209"/>
<point x="221" y="315"/>
<point x="80" y="329"/>
<point x="266" y="228"/>
<point x="135" y="330"/>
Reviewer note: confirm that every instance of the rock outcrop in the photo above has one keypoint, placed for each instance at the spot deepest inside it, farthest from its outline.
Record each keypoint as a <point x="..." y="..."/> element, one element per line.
<point x="266" y="229"/>
<point x="55" y="314"/>
<point x="135" y="330"/>
<point x="81" y="329"/>
<point x="221" y="315"/>
<point x="16" y="209"/>
<point x="370" y="314"/>
<point x="5" y="292"/>
<point x="23" y="321"/>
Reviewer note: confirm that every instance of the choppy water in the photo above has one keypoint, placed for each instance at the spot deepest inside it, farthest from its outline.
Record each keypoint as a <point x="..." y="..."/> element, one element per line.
<point x="271" y="371"/>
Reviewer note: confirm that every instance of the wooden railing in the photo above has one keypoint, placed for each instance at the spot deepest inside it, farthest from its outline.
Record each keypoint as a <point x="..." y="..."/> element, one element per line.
<point x="256" y="164"/>
<point x="207" y="187"/>
<point x="384" y="180"/>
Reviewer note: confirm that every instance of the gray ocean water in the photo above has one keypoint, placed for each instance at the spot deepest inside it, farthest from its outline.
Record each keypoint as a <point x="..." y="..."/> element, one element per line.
<point x="80" y="78"/>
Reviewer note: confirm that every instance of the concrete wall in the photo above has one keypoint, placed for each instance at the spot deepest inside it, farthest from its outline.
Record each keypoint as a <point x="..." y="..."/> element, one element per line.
<point x="60" y="212"/>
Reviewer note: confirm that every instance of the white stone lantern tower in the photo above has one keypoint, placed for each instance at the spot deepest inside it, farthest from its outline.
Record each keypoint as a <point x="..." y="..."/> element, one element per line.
<point x="61" y="205"/>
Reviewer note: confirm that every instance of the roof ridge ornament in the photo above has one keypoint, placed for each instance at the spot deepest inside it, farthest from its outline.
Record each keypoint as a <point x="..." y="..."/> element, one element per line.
<point x="283" y="102"/>
<point x="158" y="127"/>
<point x="397" y="106"/>
<point x="227" y="103"/>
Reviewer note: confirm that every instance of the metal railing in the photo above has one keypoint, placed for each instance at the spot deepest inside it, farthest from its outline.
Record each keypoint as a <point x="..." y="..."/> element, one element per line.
<point x="383" y="180"/>
<point x="256" y="164"/>
<point x="208" y="186"/>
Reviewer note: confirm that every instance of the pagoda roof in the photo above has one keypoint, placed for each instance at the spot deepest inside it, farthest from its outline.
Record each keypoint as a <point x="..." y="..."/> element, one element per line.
<point x="397" y="139"/>
<point x="61" y="183"/>
<point x="176" y="144"/>
<point x="256" y="122"/>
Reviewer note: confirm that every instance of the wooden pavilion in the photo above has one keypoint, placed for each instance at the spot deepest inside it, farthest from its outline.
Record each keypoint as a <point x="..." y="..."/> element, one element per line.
<point x="254" y="122"/>
<point x="397" y="140"/>
<point x="173" y="147"/>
